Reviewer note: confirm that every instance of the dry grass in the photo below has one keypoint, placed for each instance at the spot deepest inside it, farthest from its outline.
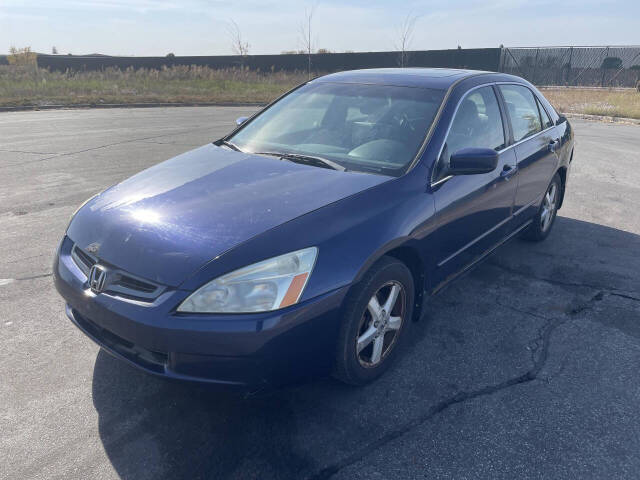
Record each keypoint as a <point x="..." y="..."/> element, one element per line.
<point x="28" y="85"/>
<point x="615" y="103"/>
<point x="31" y="86"/>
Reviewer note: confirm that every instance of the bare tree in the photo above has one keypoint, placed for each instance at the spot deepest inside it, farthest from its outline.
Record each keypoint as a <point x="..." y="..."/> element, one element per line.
<point x="238" y="44"/>
<point x="22" y="56"/>
<point x="404" y="37"/>
<point x="306" y="35"/>
<point x="54" y="50"/>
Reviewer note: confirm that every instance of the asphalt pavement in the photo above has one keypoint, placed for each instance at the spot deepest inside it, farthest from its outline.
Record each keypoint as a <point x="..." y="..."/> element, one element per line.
<point x="525" y="368"/>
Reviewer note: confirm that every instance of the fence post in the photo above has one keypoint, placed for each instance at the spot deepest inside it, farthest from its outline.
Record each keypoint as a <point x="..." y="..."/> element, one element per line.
<point x="569" y="68"/>
<point x="604" y="70"/>
<point x="535" y="68"/>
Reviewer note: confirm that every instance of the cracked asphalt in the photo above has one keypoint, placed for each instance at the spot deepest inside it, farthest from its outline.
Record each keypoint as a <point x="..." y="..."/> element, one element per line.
<point x="525" y="368"/>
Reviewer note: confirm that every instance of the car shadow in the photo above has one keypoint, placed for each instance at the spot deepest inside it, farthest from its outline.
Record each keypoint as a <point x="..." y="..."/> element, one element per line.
<point x="476" y="332"/>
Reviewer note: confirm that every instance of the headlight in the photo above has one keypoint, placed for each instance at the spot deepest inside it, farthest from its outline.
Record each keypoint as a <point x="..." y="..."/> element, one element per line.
<point x="261" y="287"/>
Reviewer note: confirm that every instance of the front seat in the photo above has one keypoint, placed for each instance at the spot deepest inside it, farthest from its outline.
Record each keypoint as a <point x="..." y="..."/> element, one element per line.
<point x="466" y="128"/>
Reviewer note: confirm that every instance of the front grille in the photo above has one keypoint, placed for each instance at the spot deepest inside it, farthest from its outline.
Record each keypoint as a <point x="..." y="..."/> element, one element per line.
<point x="118" y="282"/>
<point x="135" y="284"/>
<point x="83" y="260"/>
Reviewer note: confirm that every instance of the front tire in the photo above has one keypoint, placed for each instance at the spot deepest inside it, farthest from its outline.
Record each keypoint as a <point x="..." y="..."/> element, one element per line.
<point x="543" y="221"/>
<point x="378" y="314"/>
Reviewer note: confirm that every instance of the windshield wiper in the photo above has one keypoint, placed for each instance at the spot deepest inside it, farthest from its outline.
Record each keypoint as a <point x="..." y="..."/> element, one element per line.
<point x="232" y="146"/>
<point x="306" y="159"/>
<point x="311" y="160"/>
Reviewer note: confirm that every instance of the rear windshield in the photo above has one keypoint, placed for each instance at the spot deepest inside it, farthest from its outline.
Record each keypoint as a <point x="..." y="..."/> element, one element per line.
<point x="368" y="128"/>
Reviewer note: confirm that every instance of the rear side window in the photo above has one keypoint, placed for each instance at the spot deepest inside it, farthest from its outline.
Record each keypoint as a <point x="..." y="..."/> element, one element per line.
<point x="546" y="121"/>
<point x="523" y="111"/>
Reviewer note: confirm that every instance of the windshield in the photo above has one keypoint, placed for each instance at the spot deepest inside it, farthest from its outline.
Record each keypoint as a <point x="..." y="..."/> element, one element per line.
<point x="369" y="128"/>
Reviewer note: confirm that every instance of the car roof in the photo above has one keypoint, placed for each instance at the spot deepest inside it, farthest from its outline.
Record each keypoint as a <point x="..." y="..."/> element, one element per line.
<point x="438" y="78"/>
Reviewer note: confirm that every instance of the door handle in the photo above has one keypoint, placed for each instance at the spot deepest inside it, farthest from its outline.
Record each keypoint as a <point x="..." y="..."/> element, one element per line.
<point x="508" y="171"/>
<point x="553" y="144"/>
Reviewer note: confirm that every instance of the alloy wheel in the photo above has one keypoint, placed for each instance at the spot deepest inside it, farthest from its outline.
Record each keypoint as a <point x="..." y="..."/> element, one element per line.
<point x="549" y="205"/>
<point x="380" y="324"/>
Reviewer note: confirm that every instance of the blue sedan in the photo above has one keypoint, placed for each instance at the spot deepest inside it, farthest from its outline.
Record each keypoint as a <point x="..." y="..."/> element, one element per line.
<point x="308" y="240"/>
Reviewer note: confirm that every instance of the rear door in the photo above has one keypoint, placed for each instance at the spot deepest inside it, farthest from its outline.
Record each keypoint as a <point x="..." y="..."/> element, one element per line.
<point x="472" y="210"/>
<point x="535" y="140"/>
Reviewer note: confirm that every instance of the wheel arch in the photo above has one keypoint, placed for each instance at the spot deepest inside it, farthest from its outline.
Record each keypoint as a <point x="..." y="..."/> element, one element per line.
<point x="410" y="256"/>
<point x="562" y="172"/>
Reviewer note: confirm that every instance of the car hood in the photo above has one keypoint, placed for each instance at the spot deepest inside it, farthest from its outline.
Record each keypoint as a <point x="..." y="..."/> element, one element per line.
<point x="165" y="222"/>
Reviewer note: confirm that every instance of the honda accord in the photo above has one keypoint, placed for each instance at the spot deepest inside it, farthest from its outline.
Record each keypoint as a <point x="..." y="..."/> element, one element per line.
<point x="308" y="240"/>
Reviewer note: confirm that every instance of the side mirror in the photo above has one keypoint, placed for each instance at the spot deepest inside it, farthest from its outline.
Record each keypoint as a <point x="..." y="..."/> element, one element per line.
<point x="471" y="161"/>
<point x="241" y="120"/>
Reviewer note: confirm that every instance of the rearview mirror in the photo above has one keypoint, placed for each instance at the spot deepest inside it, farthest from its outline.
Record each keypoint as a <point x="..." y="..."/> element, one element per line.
<point x="241" y="120"/>
<point x="471" y="161"/>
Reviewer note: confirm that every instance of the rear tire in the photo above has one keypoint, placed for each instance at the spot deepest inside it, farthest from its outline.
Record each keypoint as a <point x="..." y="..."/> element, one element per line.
<point x="378" y="314"/>
<point x="543" y="221"/>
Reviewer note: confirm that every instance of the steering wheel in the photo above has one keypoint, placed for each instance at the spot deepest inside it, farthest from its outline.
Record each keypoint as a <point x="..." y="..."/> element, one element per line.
<point x="405" y="122"/>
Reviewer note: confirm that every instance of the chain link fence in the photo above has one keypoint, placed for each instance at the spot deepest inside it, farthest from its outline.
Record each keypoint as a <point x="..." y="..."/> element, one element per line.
<point x="544" y="66"/>
<point x="574" y="66"/>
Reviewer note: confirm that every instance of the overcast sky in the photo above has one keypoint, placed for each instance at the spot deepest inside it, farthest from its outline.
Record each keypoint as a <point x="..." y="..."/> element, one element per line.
<point x="198" y="27"/>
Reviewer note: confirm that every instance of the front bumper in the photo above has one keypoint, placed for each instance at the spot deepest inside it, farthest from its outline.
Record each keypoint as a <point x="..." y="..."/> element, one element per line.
<point x="238" y="351"/>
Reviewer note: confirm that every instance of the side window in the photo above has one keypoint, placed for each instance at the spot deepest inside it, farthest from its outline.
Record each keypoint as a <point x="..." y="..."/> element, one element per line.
<point x="478" y="123"/>
<point x="523" y="110"/>
<point x="546" y="121"/>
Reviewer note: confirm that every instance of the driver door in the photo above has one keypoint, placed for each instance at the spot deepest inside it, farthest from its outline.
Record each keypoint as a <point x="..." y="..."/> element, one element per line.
<point x="473" y="211"/>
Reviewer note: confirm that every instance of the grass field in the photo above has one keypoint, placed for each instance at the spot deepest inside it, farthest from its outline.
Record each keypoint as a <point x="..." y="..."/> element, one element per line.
<point x="615" y="103"/>
<point x="27" y="85"/>
<point x="31" y="86"/>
